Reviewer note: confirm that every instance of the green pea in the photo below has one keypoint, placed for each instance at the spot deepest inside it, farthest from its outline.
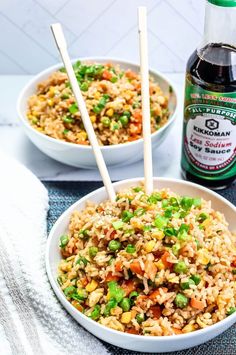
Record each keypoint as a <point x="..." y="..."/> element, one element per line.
<point x="180" y="267"/>
<point x="124" y="120"/>
<point x="140" y="318"/>
<point x="64" y="240"/>
<point x="127" y="113"/>
<point x="81" y="295"/>
<point x="83" y="234"/>
<point x="68" y="119"/>
<point x="130" y="249"/>
<point x="114" y="79"/>
<point x="73" y="108"/>
<point x="115" y="126"/>
<point x="95" y="314"/>
<point x="93" y="251"/>
<point x="234" y="271"/>
<point x="114" y="245"/>
<point x="125" y="304"/>
<point x="196" y="279"/>
<point x="106" y="121"/>
<point x="186" y="285"/>
<point x="181" y="301"/>
<point x="117" y="225"/>
<point x="165" y="203"/>
<point x="133" y="294"/>
<point x="66" y="131"/>
<point x="69" y="290"/>
<point x="84" y="86"/>
<point x="126" y="216"/>
<point x="110" y="304"/>
<point x="231" y="311"/>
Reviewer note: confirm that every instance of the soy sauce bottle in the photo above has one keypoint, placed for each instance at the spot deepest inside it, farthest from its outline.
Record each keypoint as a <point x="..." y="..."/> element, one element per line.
<point x="209" y="131"/>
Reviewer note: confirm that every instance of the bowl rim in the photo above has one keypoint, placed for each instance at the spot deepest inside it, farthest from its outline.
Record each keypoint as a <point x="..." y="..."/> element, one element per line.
<point x="120" y="61"/>
<point x="150" y="338"/>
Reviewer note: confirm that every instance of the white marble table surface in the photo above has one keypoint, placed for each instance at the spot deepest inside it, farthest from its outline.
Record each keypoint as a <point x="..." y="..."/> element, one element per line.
<point x="14" y="142"/>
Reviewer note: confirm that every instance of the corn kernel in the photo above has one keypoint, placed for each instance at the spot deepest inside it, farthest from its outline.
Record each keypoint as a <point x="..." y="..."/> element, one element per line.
<point x="158" y="235"/>
<point x="51" y="91"/>
<point x="188" y="328"/>
<point x="108" y="296"/>
<point x="126" y="107"/>
<point x="91" y="286"/>
<point x="93" y="118"/>
<point x="97" y="95"/>
<point x="110" y="112"/>
<point x="116" y="311"/>
<point x="50" y="102"/>
<point x="203" y="256"/>
<point x="82" y="135"/>
<point x="159" y="264"/>
<point x="35" y="113"/>
<point x="126" y="317"/>
<point x="149" y="246"/>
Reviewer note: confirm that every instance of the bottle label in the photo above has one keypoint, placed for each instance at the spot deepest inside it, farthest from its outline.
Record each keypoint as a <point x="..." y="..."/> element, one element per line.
<point x="209" y="132"/>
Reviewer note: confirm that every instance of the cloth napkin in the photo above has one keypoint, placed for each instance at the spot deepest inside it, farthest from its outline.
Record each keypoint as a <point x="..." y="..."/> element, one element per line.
<point x="32" y="321"/>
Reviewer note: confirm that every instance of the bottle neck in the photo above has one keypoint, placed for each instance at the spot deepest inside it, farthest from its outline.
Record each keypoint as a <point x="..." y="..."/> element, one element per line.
<point x="220" y="25"/>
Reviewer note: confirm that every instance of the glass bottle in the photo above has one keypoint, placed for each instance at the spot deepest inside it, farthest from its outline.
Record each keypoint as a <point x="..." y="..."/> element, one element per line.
<point x="209" y="132"/>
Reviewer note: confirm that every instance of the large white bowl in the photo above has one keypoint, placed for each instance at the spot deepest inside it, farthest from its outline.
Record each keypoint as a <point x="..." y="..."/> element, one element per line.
<point x="124" y="340"/>
<point x="80" y="155"/>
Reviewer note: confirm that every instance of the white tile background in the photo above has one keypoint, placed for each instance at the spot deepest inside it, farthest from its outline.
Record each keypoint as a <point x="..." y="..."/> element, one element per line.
<point x="97" y="27"/>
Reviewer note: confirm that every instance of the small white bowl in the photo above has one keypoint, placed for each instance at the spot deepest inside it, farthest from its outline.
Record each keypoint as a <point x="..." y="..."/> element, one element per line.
<point x="124" y="340"/>
<point x="80" y="155"/>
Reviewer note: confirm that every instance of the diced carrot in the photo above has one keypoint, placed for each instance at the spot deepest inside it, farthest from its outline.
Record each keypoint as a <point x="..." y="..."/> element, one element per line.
<point x="156" y="311"/>
<point x="77" y="305"/>
<point x="164" y="258"/>
<point x="137" y="115"/>
<point x="128" y="286"/>
<point x="130" y="74"/>
<point x="197" y="304"/>
<point x="132" y="331"/>
<point x="106" y="75"/>
<point x="156" y="293"/>
<point x="135" y="128"/>
<point x="118" y="266"/>
<point x="111" y="277"/>
<point x="133" y="138"/>
<point x="234" y="262"/>
<point x="177" y="330"/>
<point x="83" y="142"/>
<point x="150" y="269"/>
<point x="136" y="268"/>
<point x="84" y="281"/>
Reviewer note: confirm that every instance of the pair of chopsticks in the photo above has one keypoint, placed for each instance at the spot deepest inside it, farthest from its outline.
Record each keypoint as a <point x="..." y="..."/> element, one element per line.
<point x="148" y="172"/>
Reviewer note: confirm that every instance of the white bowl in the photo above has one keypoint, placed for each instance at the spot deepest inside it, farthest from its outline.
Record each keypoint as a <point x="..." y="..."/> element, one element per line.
<point x="80" y="155"/>
<point x="124" y="340"/>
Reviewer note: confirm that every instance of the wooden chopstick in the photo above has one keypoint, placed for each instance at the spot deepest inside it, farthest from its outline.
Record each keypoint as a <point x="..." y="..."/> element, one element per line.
<point x="62" y="47"/>
<point x="147" y="143"/>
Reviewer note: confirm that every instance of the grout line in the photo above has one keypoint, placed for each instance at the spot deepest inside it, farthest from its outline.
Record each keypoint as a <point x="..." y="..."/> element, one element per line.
<point x="183" y="17"/>
<point x="27" y="35"/>
<point x="91" y="23"/>
<point x="15" y="62"/>
<point x="56" y="19"/>
<point x="164" y="43"/>
<point x="60" y="8"/>
<point x="130" y="29"/>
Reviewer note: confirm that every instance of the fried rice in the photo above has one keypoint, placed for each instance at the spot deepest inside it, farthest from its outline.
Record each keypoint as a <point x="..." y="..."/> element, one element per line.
<point x="113" y="100"/>
<point x="150" y="265"/>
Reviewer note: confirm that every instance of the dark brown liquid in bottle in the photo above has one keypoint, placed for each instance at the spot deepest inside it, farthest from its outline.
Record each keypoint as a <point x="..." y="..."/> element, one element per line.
<point x="213" y="68"/>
